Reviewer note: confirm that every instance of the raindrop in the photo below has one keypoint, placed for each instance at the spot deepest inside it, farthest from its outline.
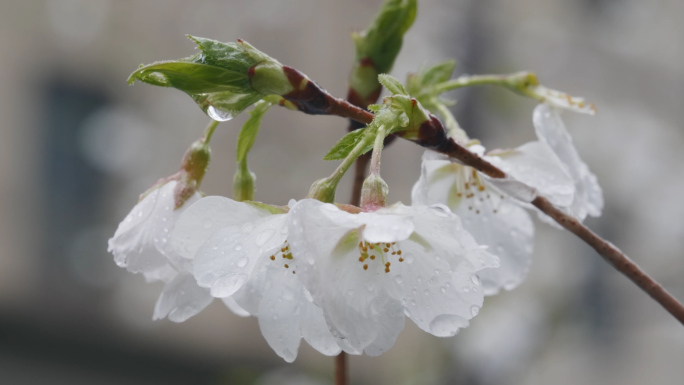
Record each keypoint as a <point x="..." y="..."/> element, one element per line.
<point x="398" y="279"/>
<point x="220" y="115"/>
<point x="288" y="294"/>
<point x="440" y="210"/>
<point x="475" y="279"/>
<point x="242" y="262"/>
<point x="446" y="325"/>
<point x="238" y="247"/>
<point x="228" y="284"/>
<point x="474" y="310"/>
<point x="426" y="292"/>
<point x="466" y="289"/>
<point x="442" y="289"/>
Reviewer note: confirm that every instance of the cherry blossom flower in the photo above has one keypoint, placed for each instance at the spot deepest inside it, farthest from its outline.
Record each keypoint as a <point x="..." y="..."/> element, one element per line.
<point x="140" y="246"/>
<point x="241" y="253"/>
<point x="493" y="211"/>
<point x="369" y="270"/>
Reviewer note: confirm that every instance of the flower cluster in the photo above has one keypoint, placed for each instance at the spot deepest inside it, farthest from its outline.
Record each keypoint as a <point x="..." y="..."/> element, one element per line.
<point x="344" y="278"/>
<point x="341" y="277"/>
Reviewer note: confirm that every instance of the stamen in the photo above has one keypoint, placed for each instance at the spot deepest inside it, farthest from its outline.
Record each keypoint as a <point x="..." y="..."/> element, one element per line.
<point x="287" y="266"/>
<point x="365" y="267"/>
<point x="272" y="257"/>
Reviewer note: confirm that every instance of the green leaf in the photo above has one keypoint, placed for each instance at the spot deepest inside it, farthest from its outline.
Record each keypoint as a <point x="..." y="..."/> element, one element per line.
<point x="222" y="78"/>
<point x="382" y="40"/>
<point x="250" y="129"/>
<point x="438" y="73"/>
<point x="392" y="84"/>
<point x="342" y="148"/>
<point x="190" y="77"/>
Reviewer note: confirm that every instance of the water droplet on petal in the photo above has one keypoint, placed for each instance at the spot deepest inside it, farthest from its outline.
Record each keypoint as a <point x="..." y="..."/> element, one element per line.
<point x="398" y="279"/>
<point x="238" y="247"/>
<point x="208" y="223"/>
<point x="442" y="289"/>
<point x="288" y="294"/>
<point x="474" y="310"/>
<point x="242" y="262"/>
<point x="228" y="284"/>
<point x="466" y="289"/>
<point x="440" y="210"/>
<point x="426" y="292"/>
<point x="447" y="325"/>
<point x="475" y="279"/>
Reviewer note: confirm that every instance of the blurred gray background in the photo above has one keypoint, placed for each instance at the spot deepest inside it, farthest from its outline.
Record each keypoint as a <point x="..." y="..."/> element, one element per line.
<point x="77" y="146"/>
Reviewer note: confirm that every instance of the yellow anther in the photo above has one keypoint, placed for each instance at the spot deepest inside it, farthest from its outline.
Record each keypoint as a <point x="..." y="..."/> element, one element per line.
<point x="287" y="266"/>
<point x="372" y="257"/>
<point x="399" y="252"/>
<point x="365" y="267"/>
<point x="401" y="259"/>
<point x="272" y="257"/>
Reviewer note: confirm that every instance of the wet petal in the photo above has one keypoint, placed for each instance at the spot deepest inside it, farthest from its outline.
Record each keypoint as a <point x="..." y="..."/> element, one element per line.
<point x="205" y="217"/>
<point x="536" y="165"/>
<point x="550" y="129"/>
<point x="181" y="299"/>
<point x="226" y="260"/>
<point x="234" y="307"/>
<point x="509" y="233"/>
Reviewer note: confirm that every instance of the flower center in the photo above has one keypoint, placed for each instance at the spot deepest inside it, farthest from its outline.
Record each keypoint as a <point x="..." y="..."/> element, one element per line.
<point x="286" y="254"/>
<point x="469" y="188"/>
<point x="379" y="251"/>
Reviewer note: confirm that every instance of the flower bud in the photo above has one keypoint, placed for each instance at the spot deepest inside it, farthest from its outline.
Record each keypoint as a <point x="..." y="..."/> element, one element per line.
<point x="193" y="167"/>
<point x="323" y="190"/>
<point x="373" y="193"/>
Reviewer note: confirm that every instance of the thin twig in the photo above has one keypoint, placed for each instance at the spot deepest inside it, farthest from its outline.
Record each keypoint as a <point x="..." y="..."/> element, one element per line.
<point x="341" y="369"/>
<point x="434" y="137"/>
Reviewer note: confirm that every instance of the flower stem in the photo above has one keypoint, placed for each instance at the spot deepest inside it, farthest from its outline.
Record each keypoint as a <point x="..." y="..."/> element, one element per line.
<point x="377" y="151"/>
<point x="209" y="131"/>
<point x="337" y="175"/>
<point x="467" y="81"/>
<point x="341" y="369"/>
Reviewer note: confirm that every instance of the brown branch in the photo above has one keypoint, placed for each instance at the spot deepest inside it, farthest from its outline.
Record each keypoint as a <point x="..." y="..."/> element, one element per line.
<point x="432" y="135"/>
<point x="341" y="369"/>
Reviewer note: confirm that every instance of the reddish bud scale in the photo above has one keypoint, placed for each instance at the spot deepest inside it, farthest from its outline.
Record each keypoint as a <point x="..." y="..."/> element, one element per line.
<point x="312" y="99"/>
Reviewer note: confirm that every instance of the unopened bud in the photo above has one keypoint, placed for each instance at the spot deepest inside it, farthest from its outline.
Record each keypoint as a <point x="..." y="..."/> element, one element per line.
<point x="373" y="193"/>
<point x="323" y="190"/>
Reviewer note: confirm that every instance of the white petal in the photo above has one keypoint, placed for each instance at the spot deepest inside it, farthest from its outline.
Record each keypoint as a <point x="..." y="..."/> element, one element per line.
<point x="181" y="299"/>
<point x="205" y="217"/>
<point x="234" y="307"/>
<point x="438" y="286"/>
<point x="551" y="130"/>
<point x="279" y="313"/>
<point x="225" y="261"/>
<point x="314" y="328"/>
<point x="536" y="165"/>
<point x="132" y="243"/>
<point x="385" y="228"/>
<point x="509" y="233"/>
